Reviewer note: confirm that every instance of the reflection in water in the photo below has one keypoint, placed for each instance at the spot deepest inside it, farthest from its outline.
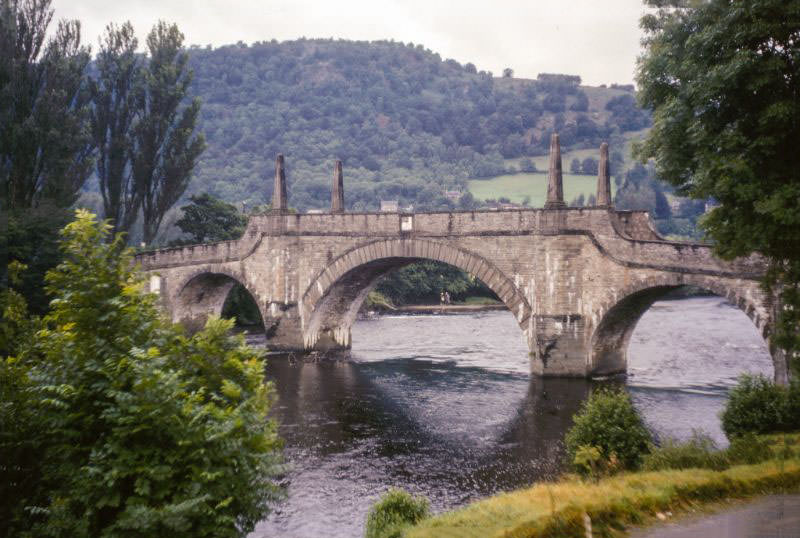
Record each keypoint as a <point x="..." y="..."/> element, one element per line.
<point x="444" y="406"/>
<point x="684" y="356"/>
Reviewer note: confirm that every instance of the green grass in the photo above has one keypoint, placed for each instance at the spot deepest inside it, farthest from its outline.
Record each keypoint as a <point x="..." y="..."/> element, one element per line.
<point x="557" y="509"/>
<point x="517" y="186"/>
<point x="542" y="161"/>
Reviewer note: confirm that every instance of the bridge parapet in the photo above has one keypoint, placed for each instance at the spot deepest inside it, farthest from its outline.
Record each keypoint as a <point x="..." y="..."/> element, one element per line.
<point x="626" y="236"/>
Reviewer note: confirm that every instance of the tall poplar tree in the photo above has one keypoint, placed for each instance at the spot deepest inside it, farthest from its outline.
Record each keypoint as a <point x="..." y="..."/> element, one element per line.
<point x="165" y="147"/>
<point x="45" y="147"/>
<point x="115" y="97"/>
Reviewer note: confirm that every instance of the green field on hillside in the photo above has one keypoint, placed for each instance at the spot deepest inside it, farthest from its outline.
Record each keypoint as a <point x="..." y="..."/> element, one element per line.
<point x="516" y="187"/>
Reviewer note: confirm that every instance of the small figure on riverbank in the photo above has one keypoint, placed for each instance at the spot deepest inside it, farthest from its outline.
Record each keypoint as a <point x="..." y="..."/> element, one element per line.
<point x="447" y="297"/>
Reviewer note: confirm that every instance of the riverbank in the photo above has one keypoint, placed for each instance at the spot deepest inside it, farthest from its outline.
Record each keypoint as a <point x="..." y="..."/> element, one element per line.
<point x="447" y="308"/>
<point x="378" y="304"/>
<point x="567" y="507"/>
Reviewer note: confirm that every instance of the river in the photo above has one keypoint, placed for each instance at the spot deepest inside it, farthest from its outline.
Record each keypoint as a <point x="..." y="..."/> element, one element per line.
<point x="444" y="406"/>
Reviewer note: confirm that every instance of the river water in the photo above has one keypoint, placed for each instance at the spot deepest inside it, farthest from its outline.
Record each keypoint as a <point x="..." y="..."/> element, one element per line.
<point x="444" y="406"/>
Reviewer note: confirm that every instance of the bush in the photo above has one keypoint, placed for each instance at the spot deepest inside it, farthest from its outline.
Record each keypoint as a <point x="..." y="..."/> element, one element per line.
<point x="698" y="452"/>
<point x="395" y="511"/>
<point x="757" y="405"/>
<point x="589" y="462"/>
<point x="702" y="453"/>
<point x="609" y="421"/>
<point x="113" y="423"/>
<point x="748" y="449"/>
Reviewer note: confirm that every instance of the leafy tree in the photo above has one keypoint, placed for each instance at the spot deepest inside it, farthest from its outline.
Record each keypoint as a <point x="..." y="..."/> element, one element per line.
<point x="30" y="237"/>
<point x="527" y="165"/>
<point x="16" y="325"/>
<point x="165" y="148"/>
<point x="723" y="80"/>
<point x="422" y="282"/>
<point x="662" y="209"/>
<point x="114" y="98"/>
<point x="581" y="103"/>
<point x="575" y="166"/>
<point x="757" y="405"/>
<point x="467" y="201"/>
<point x="45" y="147"/>
<point x="609" y="421"/>
<point x="589" y="166"/>
<point x="210" y="219"/>
<point x="508" y="73"/>
<point x="115" y="423"/>
<point x="624" y="113"/>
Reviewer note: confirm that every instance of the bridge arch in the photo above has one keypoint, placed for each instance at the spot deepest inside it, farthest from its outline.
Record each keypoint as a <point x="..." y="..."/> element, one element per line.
<point x="203" y="293"/>
<point x="330" y="303"/>
<point x="616" y="318"/>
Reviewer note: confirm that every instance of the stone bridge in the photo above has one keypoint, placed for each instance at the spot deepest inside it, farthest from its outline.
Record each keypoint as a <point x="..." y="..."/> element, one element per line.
<point x="576" y="279"/>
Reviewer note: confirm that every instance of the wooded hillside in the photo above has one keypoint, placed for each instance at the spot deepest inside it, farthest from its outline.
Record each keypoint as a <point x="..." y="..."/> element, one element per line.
<point x="406" y="123"/>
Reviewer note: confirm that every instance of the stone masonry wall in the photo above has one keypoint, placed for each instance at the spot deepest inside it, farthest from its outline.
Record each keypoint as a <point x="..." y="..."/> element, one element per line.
<point x="567" y="275"/>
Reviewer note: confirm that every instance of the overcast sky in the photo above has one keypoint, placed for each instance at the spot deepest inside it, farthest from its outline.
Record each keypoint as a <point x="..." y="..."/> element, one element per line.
<point x="596" y="39"/>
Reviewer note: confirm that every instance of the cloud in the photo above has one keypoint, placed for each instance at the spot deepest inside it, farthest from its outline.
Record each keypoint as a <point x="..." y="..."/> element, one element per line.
<point x="597" y="40"/>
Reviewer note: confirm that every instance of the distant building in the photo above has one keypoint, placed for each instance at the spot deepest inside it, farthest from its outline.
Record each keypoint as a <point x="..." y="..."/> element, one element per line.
<point x="390" y="206"/>
<point x="452" y="195"/>
<point x="315" y="211"/>
<point x="502" y="205"/>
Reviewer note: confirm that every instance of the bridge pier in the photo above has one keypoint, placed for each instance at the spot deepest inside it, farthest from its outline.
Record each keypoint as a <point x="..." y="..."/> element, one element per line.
<point x="282" y="327"/>
<point x="558" y="345"/>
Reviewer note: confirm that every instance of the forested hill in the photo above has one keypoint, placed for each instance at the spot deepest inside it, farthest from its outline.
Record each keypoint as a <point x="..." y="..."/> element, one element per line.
<point x="406" y="123"/>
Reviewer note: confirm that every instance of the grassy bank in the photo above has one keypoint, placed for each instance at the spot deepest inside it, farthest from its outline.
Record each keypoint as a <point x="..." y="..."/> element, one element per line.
<point x="557" y="509"/>
<point x="517" y="187"/>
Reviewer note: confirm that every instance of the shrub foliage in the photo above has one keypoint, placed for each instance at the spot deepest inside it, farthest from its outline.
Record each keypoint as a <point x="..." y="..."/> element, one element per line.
<point x="114" y="423"/>
<point x="393" y="512"/>
<point x="758" y="405"/>
<point x="609" y="421"/>
<point x="701" y="452"/>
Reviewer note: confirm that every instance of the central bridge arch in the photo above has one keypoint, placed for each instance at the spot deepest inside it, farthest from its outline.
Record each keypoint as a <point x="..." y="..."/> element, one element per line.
<point x="329" y="305"/>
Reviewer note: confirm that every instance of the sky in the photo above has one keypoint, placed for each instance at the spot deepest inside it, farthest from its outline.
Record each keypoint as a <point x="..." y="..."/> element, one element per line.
<point x="596" y="39"/>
